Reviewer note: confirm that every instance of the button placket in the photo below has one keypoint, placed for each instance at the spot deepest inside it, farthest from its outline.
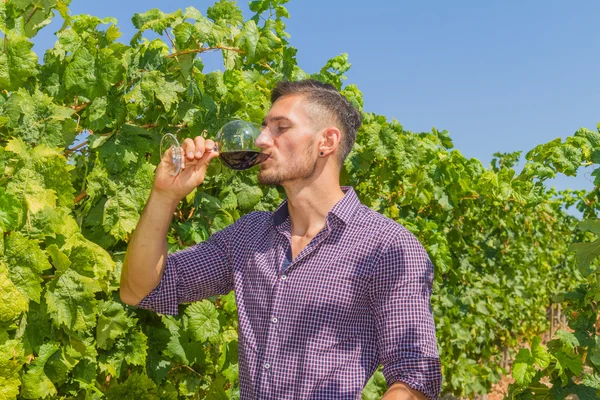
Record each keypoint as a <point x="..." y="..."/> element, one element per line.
<point x="272" y="344"/>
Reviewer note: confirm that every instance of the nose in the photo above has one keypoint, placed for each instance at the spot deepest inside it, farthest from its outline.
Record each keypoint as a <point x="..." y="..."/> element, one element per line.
<point x="264" y="140"/>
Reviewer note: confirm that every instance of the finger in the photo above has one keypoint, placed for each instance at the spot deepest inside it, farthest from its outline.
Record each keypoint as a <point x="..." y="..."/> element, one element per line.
<point x="189" y="148"/>
<point x="193" y="165"/>
<point x="200" y="150"/>
<point x="209" y="145"/>
<point x="209" y="155"/>
<point x="205" y="161"/>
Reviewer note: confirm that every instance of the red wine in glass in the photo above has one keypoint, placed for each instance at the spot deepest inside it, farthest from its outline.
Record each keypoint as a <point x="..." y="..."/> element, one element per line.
<point x="241" y="160"/>
<point x="236" y="144"/>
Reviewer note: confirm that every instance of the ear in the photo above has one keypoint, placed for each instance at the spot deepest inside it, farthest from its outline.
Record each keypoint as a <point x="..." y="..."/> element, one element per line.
<point x="329" y="141"/>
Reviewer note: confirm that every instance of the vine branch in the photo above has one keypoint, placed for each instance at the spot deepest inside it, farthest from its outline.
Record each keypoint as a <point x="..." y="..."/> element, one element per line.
<point x="79" y="146"/>
<point x="153" y="125"/>
<point x="470" y="197"/>
<point x="80" y="197"/>
<point x="170" y="39"/>
<point x="28" y="18"/>
<point x="267" y="66"/>
<point x="79" y="107"/>
<point x="205" y="49"/>
<point x="187" y="367"/>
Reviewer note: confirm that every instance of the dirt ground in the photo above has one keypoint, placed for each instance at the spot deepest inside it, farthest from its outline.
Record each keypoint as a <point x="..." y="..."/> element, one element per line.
<point x="500" y="389"/>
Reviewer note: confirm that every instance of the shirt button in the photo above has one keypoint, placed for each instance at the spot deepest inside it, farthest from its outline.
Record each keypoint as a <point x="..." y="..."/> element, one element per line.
<point x="274" y="320"/>
<point x="283" y="277"/>
<point x="267" y="365"/>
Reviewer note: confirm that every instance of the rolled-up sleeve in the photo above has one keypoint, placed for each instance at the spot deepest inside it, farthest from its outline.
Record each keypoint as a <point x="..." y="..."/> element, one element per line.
<point x="195" y="273"/>
<point x="400" y="298"/>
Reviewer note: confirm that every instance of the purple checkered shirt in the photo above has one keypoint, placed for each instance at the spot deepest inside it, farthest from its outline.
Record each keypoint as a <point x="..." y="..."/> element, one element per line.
<point x="357" y="296"/>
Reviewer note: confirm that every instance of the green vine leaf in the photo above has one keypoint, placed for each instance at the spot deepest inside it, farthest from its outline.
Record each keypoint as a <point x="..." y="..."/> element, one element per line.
<point x="36" y="384"/>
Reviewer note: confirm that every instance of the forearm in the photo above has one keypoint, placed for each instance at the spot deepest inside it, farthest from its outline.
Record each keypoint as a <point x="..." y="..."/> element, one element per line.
<point x="400" y="391"/>
<point x="147" y="250"/>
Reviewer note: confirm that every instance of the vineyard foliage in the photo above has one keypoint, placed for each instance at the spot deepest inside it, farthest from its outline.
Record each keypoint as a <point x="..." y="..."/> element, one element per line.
<point x="570" y="363"/>
<point x="80" y="132"/>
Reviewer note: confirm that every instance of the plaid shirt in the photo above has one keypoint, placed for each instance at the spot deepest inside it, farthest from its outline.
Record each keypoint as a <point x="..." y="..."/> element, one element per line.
<point x="357" y="296"/>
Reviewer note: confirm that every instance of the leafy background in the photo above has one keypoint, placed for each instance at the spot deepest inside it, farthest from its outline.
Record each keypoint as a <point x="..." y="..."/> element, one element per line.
<point x="80" y="131"/>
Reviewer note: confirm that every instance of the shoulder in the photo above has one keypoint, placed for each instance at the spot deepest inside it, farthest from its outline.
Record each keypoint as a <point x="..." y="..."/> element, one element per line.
<point x="253" y="223"/>
<point x="244" y="230"/>
<point x="390" y="232"/>
<point x="398" y="251"/>
<point x="256" y="217"/>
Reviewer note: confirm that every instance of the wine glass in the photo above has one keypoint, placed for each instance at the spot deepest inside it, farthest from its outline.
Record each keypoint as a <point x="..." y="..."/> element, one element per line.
<point x="236" y="144"/>
<point x="171" y="153"/>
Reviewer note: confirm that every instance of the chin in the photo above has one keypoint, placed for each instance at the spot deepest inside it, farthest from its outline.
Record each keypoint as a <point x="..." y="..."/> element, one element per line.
<point x="269" y="179"/>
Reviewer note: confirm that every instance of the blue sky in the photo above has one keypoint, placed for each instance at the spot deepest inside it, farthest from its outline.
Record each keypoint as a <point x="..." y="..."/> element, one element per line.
<point x="498" y="75"/>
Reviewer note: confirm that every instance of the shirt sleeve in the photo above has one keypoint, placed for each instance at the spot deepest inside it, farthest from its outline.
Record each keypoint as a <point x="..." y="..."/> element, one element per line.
<point x="198" y="272"/>
<point x="400" y="297"/>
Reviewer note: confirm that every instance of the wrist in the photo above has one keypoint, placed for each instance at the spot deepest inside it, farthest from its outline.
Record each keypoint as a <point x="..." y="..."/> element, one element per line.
<point x="164" y="200"/>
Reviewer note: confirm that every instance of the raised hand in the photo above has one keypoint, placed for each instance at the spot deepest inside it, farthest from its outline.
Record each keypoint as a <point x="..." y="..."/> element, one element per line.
<point x="197" y="154"/>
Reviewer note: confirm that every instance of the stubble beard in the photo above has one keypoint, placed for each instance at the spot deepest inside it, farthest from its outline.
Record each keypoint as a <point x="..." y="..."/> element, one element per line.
<point x="302" y="168"/>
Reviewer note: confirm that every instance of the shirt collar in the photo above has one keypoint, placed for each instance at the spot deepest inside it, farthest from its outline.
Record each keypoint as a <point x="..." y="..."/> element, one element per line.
<point x="343" y="210"/>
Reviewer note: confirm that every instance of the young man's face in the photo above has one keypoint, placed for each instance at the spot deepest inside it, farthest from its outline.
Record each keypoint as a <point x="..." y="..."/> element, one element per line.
<point x="290" y="140"/>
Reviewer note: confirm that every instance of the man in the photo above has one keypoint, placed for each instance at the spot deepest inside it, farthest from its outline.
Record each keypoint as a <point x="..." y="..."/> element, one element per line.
<point x="326" y="289"/>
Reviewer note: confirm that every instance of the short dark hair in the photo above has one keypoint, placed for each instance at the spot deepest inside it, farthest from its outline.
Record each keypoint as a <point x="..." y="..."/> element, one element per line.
<point x="327" y="100"/>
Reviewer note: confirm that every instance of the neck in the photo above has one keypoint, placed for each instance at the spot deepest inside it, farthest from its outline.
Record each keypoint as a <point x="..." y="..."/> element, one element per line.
<point x="309" y="202"/>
